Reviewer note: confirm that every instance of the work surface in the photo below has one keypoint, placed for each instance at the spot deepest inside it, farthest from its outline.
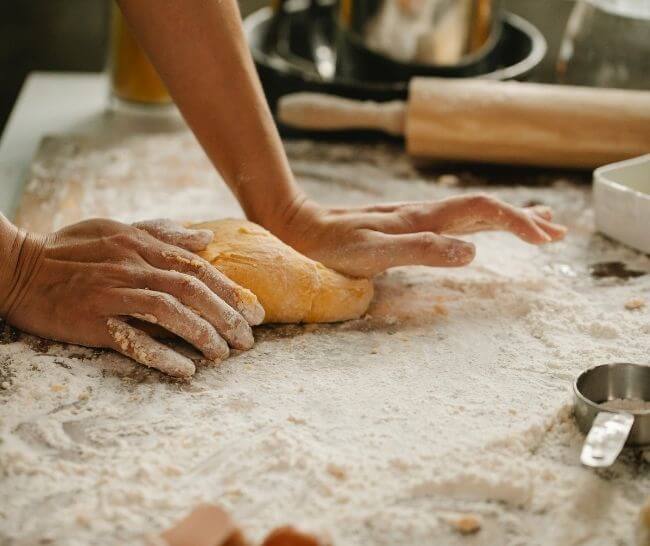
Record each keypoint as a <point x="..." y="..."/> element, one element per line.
<point x="451" y="397"/>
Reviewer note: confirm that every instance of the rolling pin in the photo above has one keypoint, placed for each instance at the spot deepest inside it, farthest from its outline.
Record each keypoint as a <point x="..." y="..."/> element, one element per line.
<point x="494" y="122"/>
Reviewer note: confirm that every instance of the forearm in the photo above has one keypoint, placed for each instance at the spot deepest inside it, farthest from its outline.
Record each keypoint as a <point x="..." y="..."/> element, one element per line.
<point x="200" y="51"/>
<point x="11" y="240"/>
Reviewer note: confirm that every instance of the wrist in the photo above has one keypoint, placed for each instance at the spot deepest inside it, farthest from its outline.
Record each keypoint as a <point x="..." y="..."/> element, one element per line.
<point x="297" y="224"/>
<point x="11" y="240"/>
<point x="18" y="263"/>
<point x="274" y="208"/>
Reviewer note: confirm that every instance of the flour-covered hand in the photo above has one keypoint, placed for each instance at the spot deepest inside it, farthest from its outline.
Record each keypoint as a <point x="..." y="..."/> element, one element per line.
<point x="85" y="284"/>
<point x="365" y="241"/>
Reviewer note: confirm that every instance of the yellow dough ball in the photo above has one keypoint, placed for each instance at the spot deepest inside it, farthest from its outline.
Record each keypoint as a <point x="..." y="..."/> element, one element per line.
<point x="290" y="286"/>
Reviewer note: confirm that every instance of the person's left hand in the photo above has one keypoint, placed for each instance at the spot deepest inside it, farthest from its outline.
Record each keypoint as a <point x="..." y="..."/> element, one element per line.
<point x="86" y="283"/>
<point x="362" y="242"/>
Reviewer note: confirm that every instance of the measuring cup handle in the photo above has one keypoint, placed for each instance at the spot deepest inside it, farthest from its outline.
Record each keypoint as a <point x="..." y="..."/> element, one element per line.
<point x="606" y="439"/>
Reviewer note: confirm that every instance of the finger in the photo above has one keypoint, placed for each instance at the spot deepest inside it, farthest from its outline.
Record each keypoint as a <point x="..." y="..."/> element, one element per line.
<point x="557" y="232"/>
<point x="381" y="207"/>
<point x="541" y="210"/>
<point x="165" y="310"/>
<point x="497" y="215"/>
<point x="468" y="214"/>
<point x="239" y="298"/>
<point x="172" y="233"/>
<point x="196" y="296"/>
<point x="523" y="226"/>
<point x="140" y="347"/>
<point x="424" y="248"/>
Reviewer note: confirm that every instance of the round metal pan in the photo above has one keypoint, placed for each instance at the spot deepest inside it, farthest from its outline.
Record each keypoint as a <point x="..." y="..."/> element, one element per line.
<point x="283" y="51"/>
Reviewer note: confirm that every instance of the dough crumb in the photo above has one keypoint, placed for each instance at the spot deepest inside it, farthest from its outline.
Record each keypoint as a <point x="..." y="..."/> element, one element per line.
<point x="643" y="527"/>
<point x="288" y="536"/>
<point x="440" y="309"/>
<point x="172" y="471"/>
<point x="57" y="387"/>
<point x="634" y="304"/>
<point x="645" y="515"/>
<point x="296" y="420"/>
<point x="625" y="404"/>
<point x="337" y="471"/>
<point x="83" y="520"/>
<point x="466" y="525"/>
<point x="448" y="180"/>
<point x="5" y="385"/>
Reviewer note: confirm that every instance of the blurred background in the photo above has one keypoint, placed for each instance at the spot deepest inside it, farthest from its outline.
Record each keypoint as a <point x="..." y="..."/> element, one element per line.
<point x="72" y="35"/>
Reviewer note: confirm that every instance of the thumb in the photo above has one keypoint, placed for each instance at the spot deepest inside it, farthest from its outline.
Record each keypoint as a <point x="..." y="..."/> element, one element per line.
<point x="170" y="232"/>
<point x="424" y="248"/>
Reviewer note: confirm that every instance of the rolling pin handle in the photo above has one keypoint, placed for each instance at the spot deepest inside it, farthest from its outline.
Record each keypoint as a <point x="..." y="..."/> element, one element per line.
<point x="320" y="112"/>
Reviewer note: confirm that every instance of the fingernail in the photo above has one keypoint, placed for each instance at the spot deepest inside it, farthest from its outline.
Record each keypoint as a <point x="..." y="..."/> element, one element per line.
<point x="470" y="252"/>
<point x="461" y="253"/>
<point x="196" y="240"/>
<point x="217" y="350"/>
<point x="205" y="235"/>
<point x="249" y="307"/>
<point x="242" y="337"/>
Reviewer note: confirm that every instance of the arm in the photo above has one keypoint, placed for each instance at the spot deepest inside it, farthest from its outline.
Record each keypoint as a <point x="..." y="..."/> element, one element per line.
<point x="199" y="49"/>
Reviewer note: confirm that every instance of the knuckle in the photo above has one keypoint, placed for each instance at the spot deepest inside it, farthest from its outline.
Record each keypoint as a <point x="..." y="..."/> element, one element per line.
<point x="188" y="285"/>
<point x="482" y="199"/>
<point x="146" y="225"/>
<point x="123" y="238"/>
<point x="426" y="240"/>
<point x="163" y="302"/>
<point x="233" y="320"/>
<point x="202" y="333"/>
<point x="407" y="218"/>
<point x="103" y="225"/>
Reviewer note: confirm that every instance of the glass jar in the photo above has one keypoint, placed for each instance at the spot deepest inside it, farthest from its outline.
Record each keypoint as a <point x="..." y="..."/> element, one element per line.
<point x="134" y="81"/>
<point x="607" y="44"/>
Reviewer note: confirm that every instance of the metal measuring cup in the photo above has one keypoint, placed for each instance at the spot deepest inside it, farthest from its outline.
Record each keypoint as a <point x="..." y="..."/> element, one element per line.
<point x="609" y="430"/>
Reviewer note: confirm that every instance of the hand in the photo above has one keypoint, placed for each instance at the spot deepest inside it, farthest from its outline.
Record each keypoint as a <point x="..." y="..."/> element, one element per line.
<point x="81" y="284"/>
<point x="365" y="241"/>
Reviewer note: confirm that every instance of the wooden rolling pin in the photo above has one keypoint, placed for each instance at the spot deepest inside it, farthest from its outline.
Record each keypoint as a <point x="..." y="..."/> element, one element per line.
<point x="496" y="122"/>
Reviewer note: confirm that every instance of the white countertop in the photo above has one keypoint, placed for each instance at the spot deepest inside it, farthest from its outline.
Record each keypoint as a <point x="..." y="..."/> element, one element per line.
<point x="58" y="103"/>
<point x="48" y="103"/>
<point x="450" y="398"/>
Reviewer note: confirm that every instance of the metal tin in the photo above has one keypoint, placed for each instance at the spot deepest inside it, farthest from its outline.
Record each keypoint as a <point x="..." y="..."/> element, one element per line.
<point x="423" y="32"/>
<point x="286" y="65"/>
<point x="607" y="382"/>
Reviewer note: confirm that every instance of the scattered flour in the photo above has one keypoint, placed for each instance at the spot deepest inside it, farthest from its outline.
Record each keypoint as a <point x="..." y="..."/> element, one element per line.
<point x="626" y="404"/>
<point x="378" y="431"/>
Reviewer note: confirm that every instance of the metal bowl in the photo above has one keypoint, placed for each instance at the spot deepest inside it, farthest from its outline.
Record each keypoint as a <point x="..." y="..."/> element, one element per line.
<point x="291" y="67"/>
<point x="399" y="39"/>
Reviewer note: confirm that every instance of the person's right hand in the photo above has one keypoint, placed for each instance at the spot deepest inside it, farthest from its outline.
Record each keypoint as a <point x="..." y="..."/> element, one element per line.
<point x="83" y="283"/>
<point x="364" y="241"/>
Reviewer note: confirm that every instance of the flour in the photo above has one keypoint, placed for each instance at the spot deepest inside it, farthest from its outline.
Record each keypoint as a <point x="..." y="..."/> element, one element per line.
<point x="626" y="404"/>
<point x="378" y="431"/>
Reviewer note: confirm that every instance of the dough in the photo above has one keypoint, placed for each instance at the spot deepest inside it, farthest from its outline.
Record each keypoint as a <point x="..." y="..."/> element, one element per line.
<point x="290" y="286"/>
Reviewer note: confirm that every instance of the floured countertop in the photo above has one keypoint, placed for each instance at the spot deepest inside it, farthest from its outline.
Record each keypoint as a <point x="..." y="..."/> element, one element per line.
<point x="451" y="398"/>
